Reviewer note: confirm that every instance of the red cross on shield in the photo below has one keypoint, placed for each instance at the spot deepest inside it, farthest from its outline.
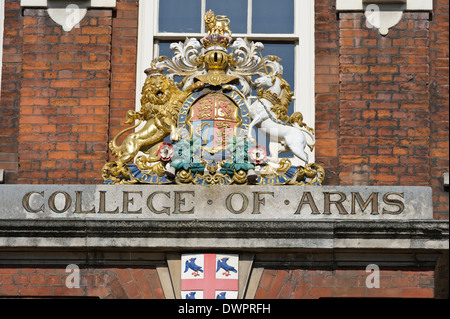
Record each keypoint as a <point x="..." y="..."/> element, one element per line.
<point x="209" y="276"/>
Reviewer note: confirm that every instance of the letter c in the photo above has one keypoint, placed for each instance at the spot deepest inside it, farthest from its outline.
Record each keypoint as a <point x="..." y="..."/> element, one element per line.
<point x="26" y="203"/>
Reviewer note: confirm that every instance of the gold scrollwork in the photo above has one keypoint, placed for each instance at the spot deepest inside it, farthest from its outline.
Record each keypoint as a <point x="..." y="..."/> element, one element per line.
<point x="216" y="179"/>
<point x="115" y="172"/>
<point x="240" y="177"/>
<point x="311" y="174"/>
<point x="184" y="177"/>
<point x="144" y="164"/>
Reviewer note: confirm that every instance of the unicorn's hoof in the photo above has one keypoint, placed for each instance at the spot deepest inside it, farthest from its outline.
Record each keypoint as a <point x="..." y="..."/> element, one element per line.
<point x="251" y="176"/>
<point x="170" y="172"/>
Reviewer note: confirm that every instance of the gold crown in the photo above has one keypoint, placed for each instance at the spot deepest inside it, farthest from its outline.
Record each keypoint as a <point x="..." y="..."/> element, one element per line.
<point x="216" y="41"/>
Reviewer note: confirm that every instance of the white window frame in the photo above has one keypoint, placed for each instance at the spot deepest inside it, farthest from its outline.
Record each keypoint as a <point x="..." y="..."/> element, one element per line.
<point x="303" y="37"/>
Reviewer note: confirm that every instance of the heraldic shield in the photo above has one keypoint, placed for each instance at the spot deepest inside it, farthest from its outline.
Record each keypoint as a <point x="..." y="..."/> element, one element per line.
<point x="209" y="276"/>
<point x="213" y="120"/>
<point x="218" y="115"/>
<point x="202" y="129"/>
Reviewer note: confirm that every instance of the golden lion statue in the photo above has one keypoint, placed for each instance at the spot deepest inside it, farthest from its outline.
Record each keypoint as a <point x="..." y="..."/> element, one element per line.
<point x="161" y="102"/>
<point x="217" y="24"/>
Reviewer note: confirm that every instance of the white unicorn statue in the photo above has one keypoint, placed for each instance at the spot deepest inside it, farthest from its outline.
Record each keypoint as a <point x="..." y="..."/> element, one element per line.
<point x="269" y="116"/>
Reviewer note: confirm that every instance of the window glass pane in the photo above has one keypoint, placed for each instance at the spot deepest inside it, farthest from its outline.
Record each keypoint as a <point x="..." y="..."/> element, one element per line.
<point x="286" y="51"/>
<point x="235" y="10"/>
<point x="164" y="49"/>
<point x="270" y="16"/>
<point x="180" y="16"/>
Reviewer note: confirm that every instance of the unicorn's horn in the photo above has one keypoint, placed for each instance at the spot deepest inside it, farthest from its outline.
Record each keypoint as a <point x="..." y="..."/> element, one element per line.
<point x="264" y="63"/>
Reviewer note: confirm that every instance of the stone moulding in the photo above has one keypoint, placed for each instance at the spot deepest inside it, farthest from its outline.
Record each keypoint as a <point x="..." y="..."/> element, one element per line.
<point x="240" y="235"/>
<point x="68" y="13"/>
<point x="383" y="14"/>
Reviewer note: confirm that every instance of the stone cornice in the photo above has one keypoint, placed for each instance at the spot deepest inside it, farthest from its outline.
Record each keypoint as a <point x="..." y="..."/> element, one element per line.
<point x="383" y="14"/>
<point x="91" y="3"/>
<point x="242" y="234"/>
<point x="358" y="5"/>
<point x="68" y="13"/>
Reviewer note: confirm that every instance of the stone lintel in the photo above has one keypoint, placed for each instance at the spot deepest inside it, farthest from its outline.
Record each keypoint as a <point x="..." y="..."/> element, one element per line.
<point x="238" y="235"/>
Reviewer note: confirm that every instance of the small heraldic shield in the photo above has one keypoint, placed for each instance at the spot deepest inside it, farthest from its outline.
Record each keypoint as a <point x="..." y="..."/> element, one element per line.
<point x="209" y="276"/>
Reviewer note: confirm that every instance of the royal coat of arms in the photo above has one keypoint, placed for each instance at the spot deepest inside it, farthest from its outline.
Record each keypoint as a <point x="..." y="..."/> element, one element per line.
<point x="201" y="111"/>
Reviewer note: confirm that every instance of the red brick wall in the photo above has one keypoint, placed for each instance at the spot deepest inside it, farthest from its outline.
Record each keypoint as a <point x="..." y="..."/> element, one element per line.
<point x="10" y="94"/>
<point x="104" y="283"/>
<point x="64" y="94"/>
<point x="439" y="105"/>
<point x="313" y="284"/>
<point x="384" y="110"/>
<point x="123" y="64"/>
<point x="327" y="89"/>
<point x="136" y="283"/>
<point x="64" y="104"/>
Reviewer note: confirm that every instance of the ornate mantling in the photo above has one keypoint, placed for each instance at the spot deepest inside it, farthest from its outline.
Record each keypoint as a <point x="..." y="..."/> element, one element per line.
<point x="196" y="122"/>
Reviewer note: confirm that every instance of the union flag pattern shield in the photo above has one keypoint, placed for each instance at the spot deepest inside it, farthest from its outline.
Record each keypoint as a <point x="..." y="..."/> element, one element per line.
<point x="209" y="276"/>
<point x="214" y="120"/>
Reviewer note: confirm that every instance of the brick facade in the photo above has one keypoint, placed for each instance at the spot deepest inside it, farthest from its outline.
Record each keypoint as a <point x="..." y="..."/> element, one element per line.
<point x="10" y="90"/>
<point x="344" y="283"/>
<point x="382" y="113"/>
<point x="104" y="283"/>
<point x="64" y="105"/>
<point x="439" y="105"/>
<point x="327" y="89"/>
<point x="384" y="110"/>
<point x="64" y="95"/>
<point x="123" y="64"/>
